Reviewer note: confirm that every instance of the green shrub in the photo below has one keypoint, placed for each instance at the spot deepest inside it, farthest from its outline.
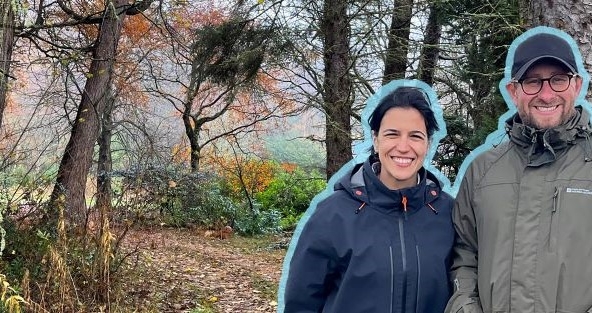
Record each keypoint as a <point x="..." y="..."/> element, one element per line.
<point x="290" y="194"/>
<point x="174" y="197"/>
<point x="10" y="300"/>
<point x="25" y="248"/>
<point x="250" y="222"/>
<point x="289" y="222"/>
<point x="205" y="206"/>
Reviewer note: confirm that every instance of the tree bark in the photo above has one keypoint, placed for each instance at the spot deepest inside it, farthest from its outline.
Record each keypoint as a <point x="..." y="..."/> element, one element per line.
<point x="6" y="43"/>
<point x="395" y="63"/>
<point x="192" y="131"/>
<point x="337" y="85"/>
<point x="105" y="163"/>
<point x="104" y="197"/>
<point x="68" y="192"/>
<point x="573" y="17"/>
<point x="430" y="50"/>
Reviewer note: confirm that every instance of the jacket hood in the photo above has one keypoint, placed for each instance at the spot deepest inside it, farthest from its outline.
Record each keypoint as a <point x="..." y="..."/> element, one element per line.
<point x="544" y="145"/>
<point x="363" y="184"/>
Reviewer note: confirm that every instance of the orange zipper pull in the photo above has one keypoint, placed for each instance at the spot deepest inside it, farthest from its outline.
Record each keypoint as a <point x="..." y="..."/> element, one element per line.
<point x="404" y="201"/>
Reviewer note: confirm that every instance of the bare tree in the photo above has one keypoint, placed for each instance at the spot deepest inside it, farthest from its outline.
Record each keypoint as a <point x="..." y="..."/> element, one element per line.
<point x="213" y="71"/>
<point x="69" y="190"/>
<point x="6" y="44"/>
<point x="395" y="64"/>
<point x="430" y="51"/>
<point x="105" y="163"/>
<point x="337" y="85"/>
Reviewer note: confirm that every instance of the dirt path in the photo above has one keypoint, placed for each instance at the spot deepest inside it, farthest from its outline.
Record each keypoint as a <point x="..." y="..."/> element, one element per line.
<point x="183" y="271"/>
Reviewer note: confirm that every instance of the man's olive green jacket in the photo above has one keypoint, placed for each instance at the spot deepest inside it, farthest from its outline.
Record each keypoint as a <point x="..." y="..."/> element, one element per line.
<point x="523" y="216"/>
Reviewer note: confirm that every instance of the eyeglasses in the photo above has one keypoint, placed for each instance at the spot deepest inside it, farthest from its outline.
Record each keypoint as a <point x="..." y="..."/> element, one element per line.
<point x="558" y="82"/>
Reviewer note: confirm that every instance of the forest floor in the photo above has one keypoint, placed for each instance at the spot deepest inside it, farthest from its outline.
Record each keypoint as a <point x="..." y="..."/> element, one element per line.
<point x="181" y="270"/>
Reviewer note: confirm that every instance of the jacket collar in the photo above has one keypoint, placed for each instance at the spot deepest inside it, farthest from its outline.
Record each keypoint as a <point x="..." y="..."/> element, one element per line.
<point x="543" y="146"/>
<point x="363" y="184"/>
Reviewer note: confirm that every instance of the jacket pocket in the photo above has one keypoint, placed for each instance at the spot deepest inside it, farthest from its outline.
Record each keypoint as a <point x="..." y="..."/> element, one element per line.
<point x="567" y="270"/>
<point x="553" y="219"/>
<point x="572" y="212"/>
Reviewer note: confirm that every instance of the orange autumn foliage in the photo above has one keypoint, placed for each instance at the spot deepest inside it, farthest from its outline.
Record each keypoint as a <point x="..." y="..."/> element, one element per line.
<point x="254" y="175"/>
<point x="289" y="167"/>
<point x="135" y="28"/>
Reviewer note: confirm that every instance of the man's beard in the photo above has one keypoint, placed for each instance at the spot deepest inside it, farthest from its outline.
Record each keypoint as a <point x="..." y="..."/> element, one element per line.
<point x="528" y="118"/>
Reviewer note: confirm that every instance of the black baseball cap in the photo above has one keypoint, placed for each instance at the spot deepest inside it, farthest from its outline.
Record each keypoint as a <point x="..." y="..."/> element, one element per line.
<point x="542" y="46"/>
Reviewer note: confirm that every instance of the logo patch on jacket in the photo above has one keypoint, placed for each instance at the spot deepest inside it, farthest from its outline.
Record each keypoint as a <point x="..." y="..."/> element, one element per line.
<point x="578" y="190"/>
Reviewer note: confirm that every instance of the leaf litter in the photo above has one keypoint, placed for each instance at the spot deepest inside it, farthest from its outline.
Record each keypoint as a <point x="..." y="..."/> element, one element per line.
<point x="181" y="270"/>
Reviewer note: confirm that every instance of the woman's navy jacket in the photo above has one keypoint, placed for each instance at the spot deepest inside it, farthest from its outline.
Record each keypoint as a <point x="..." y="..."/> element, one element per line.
<point x="370" y="249"/>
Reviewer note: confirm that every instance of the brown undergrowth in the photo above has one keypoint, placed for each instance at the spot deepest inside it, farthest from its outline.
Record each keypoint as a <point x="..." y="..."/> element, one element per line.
<point x="180" y="270"/>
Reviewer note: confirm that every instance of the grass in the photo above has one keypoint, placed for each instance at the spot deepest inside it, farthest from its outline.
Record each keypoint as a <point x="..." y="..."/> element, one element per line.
<point x="203" y="310"/>
<point x="254" y="245"/>
<point x="205" y="307"/>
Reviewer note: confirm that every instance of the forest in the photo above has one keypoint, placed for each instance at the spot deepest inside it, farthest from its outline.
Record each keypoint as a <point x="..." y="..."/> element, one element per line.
<point x="176" y="143"/>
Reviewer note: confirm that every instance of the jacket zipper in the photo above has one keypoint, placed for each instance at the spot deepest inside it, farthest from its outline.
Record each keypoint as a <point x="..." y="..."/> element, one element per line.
<point x="392" y="278"/>
<point x="418" y="279"/>
<point x="432" y="208"/>
<point x="403" y="259"/>
<point x="552" y="238"/>
<point x="360" y="208"/>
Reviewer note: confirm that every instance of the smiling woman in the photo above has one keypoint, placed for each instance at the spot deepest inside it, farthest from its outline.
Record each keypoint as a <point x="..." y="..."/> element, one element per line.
<point x="401" y="144"/>
<point x="402" y="125"/>
<point x="381" y="240"/>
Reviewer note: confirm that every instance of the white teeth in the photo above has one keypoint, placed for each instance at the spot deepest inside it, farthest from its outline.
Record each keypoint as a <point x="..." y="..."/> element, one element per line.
<point x="546" y="109"/>
<point x="402" y="160"/>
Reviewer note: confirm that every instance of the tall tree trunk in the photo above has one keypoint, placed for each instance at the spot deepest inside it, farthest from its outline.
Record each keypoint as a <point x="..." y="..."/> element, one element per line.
<point x="430" y="50"/>
<point x="6" y="43"/>
<point x="105" y="163"/>
<point x="573" y="17"/>
<point x="192" y="133"/>
<point x="395" y="63"/>
<point x="104" y="197"/>
<point x="68" y="192"/>
<point x="337" y="84"/>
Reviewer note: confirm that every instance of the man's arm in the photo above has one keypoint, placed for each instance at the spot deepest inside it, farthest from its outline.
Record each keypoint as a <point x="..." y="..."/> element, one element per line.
<point x="465" y="298"/>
